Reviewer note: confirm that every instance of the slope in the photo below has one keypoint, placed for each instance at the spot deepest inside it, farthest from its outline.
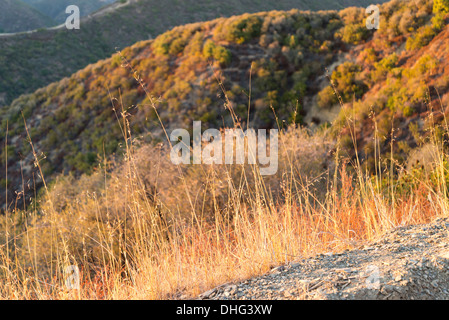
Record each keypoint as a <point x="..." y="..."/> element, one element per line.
<point x="407" y="263"/>
<point x="398" y="91"/>
<point x="15" y="16"/>
<point x="286" y="55"/>
<point x="31" y="61"/>
<point x="73" y="120"/>
<point x="56" y="8"/>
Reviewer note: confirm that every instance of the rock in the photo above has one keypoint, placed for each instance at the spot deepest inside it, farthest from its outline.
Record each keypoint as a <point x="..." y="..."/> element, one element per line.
<point x="399" y="267"/>
<point x="231" y="288"/>
<point x="344" y="270"/>
<point x="208" y="294"/>
<point x="277" y="269"/>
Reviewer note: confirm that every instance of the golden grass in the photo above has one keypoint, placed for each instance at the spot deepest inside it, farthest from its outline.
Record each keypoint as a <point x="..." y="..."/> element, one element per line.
<point x="144" y="229"/>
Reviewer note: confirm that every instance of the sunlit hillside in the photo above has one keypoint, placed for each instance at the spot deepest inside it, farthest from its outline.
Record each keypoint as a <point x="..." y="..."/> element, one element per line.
<point x="33" y="60"/>
<point x="362" y="122"/>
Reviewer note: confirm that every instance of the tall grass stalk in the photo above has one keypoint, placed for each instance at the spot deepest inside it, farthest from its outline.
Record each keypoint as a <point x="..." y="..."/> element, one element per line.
<point x="211" y="225"/>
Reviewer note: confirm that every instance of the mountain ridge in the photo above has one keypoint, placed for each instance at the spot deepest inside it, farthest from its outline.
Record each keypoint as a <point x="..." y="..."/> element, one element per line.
<point x="33" y="60"/>
<point x="285" y="54"/>
<point x="55" y="9"/>
<point x="361" y="120"/>
<point x="17" y="16"/>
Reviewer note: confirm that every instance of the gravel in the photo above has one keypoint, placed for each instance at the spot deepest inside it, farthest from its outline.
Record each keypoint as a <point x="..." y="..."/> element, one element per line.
<point x="408" y="263"/>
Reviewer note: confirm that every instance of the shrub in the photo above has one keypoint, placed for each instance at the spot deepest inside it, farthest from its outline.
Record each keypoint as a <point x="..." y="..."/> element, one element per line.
<point x="353" y="33"/>
<point x="423" y="36"/>
<point x="177" y="46"/>
<point x="272" y="98"/>
<point x="441" y="6"/>
<point x="384" y="67"/>
<point x="327" y="97"/>
<point x="389" y="62"/>
<point x="369" y="56"/>
<point x="424" y="65"/>
<point x="438" y="22"/>
<point x="208" y="49"/>
<point x="244" y="29"/>
<point x="171" y="42"/>
<point x="222" y="55"/>
<point x="217" y="52"/>
<point x="345" y="79"/>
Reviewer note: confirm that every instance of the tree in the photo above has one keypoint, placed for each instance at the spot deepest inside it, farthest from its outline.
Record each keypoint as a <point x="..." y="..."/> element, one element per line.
<point x="441" y="6"/>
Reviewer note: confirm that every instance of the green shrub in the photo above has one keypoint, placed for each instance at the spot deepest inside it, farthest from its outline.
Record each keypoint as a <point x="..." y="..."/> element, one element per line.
<point x="353" y="33"/>
<point x="346" y="82"/>
<point x="422" y="38"/>
<point x="327" y="97"/>
<point x="423" y="66"/>
<point x="177" y="46"/>
<point x="217" y="52"/>
<point x="441" y="6"/>
<point x="384" y="67"/>
<point x="208" y="49"/>
<point x="438" y="22"/>
<point x="171" y="42"/>
<point x="243" y="30"/>
<point x="369" y="56"/>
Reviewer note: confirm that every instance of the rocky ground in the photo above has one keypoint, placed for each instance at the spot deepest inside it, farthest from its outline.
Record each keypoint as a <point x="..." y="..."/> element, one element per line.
<point x="407" y="263"/>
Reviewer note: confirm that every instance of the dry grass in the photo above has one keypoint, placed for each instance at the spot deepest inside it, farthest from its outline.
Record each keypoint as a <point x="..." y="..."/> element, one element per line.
<point x="146" y="229"/>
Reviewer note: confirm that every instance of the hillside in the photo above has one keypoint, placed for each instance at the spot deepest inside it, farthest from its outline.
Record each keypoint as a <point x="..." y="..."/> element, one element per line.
<point x="32" y="61"/>
<point x="285" y="50"/>
<point x="16" y="16"/>
<point x="56" y="8"/>
<point x="288" y="54"/>
<point x="399" y="87"/>
<point x="362" y="152"/>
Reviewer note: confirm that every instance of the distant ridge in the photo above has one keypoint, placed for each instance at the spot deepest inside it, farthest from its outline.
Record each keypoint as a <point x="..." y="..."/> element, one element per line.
<point x="33" y="60"/>
<point x="55" y="9"/>
<point x="16" y="16"/>
<point x="287" y="54"/>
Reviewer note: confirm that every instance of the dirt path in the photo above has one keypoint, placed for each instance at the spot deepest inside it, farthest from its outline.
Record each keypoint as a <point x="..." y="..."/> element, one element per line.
<point x="407" y="263"/>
